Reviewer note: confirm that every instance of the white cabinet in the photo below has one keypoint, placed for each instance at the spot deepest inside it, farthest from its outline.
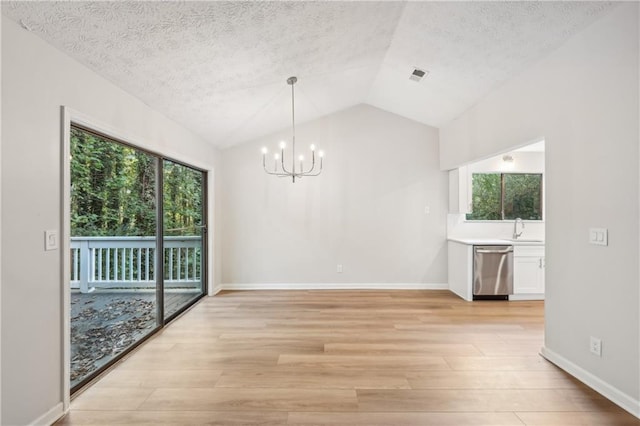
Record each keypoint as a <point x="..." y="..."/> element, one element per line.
<point x="460" y="269"/>
<point x="459" y="192"/>
<point x="528" y="270"/>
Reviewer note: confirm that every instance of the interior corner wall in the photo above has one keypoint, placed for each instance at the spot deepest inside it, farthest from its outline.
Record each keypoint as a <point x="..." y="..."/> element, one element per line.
<point x="584" y="100"/>
<point x="37" y="80"/>
<point x="0" y="222"/>
<point x="366" y="211"/>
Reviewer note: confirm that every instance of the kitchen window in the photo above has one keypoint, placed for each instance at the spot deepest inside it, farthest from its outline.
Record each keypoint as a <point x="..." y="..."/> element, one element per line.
<point x="506" y="196"/>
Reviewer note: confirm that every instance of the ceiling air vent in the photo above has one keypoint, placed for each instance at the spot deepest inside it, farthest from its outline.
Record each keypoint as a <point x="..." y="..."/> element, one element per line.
<point x="417" y="74"/>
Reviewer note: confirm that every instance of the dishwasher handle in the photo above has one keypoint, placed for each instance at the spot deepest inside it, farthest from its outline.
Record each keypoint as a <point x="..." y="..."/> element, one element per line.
<point x="488" y="251"/>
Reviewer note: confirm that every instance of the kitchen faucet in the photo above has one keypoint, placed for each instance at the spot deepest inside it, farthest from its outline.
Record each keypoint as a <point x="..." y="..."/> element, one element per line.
<point x="516" y="234"/>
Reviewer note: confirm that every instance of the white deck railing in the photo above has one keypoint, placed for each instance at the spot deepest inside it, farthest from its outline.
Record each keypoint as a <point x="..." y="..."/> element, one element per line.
<point x="129" y="262"/>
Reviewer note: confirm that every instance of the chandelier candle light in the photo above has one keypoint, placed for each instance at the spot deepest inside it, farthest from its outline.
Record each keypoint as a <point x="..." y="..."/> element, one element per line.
<point x="279" y="158"/>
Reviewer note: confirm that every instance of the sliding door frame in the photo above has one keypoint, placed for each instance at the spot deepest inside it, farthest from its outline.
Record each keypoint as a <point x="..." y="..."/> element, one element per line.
<point x="204" y="258"/>
<point x="69" y="118"/>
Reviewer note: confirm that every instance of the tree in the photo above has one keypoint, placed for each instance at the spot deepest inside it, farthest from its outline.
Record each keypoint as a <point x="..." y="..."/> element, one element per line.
<point x="182" y="199"/>
<point x="506" y="196"/>
<point x="486" y="194"/>
<point x="113" y="190"/>
<point x="101" y="191"/>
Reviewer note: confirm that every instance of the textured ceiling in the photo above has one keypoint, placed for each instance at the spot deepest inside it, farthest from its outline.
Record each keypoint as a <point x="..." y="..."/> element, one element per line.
<point x="219" y="68"/>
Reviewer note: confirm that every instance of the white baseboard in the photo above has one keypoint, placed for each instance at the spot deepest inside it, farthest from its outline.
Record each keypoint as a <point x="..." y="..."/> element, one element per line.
<point x="215" y="290"/>
<point x="50" y="417"/>
<point x="614" y="394"/>
<point x="526" y="297"/>
<point x="335" y="286"/>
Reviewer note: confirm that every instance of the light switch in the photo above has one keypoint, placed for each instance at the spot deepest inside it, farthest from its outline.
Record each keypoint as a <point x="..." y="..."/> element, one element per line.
<point x="599" y="236"/>
<point x="51" y="239"/>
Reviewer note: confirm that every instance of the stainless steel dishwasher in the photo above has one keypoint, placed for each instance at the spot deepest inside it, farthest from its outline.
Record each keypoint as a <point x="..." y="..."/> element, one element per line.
<point x="492" y="272"/>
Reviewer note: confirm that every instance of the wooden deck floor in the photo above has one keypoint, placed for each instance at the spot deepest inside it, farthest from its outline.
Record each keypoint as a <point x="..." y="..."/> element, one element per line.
<point x="345" y="357"/>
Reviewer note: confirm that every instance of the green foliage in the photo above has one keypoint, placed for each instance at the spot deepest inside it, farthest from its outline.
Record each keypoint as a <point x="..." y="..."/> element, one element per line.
<point x="523" y="196"/>
<point x="182" y="200"/>
<point x="113" y="190"/>
<point x="506" y="196"/>
<point x="486" y="192"/>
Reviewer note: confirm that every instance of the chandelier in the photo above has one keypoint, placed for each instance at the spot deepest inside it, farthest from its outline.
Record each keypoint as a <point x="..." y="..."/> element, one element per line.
<point x="279" y="168"/>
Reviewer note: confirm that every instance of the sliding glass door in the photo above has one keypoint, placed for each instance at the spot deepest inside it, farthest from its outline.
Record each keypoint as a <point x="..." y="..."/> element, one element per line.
<point x="184" y="236"/>
<point x="125" y="281"/>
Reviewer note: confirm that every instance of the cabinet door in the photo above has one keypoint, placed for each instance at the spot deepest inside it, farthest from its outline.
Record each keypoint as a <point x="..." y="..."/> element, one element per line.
<point x="460" y="269"/>
<point x="542" y="273"/>
<point x="528" y="275"/>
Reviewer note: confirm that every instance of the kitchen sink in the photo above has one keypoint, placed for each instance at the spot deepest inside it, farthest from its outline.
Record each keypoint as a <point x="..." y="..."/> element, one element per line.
<point x="524" y="240"/>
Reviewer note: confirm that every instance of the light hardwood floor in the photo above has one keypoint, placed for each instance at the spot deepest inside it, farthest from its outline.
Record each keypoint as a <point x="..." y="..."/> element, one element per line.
<point x="345" y="357"/>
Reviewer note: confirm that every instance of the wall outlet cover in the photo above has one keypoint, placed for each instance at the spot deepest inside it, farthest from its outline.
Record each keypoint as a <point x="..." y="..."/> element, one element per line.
<point x="51" y="239"/>
<point x="595" y="346"/>
<point x="599" y="236"/>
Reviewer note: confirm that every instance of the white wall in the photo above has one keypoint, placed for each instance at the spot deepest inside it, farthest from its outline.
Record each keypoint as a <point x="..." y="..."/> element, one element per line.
<point x="459" y="227"/>
<point x="0" y="223"/>
<point x="366" y="211"/>
<point x="36" y="80"/>
<point x="583" y="100"/>
<point x="523" y="162"/>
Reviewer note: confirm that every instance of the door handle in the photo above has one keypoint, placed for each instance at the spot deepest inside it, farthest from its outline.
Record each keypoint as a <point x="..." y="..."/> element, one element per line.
<point x="484" y="251"/>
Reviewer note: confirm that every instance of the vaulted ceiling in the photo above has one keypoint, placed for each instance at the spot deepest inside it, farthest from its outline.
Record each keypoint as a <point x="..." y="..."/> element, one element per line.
<point x="219" y="68"/>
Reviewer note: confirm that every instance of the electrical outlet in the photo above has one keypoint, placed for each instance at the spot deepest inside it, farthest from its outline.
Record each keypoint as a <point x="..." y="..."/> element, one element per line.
<point x="339" y="268"/>
<point x="595" y="346"/>
<point x="599" y="236"/>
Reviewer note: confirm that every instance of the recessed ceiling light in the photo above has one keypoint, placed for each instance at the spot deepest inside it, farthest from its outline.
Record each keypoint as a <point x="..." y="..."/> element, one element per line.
<point x="417" y="74"/>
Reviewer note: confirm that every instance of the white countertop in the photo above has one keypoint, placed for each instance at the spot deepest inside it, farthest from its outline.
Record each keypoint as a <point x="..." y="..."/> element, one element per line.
<point x="496" y="241"/>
